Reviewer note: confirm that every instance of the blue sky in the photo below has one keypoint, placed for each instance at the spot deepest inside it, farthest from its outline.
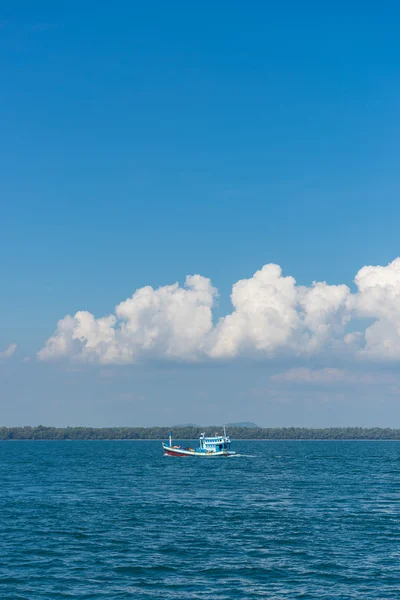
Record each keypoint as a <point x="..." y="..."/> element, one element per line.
<point x="142" y="142"/>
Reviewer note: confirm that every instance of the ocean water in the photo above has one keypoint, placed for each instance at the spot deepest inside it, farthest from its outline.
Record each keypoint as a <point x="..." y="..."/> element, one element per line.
<point x="117" y="519"/>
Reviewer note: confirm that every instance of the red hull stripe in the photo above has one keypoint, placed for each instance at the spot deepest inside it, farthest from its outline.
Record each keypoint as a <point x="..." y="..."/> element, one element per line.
<point x="175" y="453"/>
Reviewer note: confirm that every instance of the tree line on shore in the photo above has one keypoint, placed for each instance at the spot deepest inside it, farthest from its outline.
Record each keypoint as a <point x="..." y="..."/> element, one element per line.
<point x="190" y="433"/>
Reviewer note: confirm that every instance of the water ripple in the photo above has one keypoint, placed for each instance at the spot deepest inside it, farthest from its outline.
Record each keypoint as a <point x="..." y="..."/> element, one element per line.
<point x="116" y="520"/>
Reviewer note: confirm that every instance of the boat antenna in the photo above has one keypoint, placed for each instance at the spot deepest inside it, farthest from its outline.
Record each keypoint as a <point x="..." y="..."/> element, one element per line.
<point x="170" y="439"/>
<point x="224" y="431"/>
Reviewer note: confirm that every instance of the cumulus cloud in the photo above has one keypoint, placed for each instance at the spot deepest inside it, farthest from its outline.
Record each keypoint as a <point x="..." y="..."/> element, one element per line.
<point x="170" y="322"/>
<point x="9" y="351"/>
<point x="378" y="298"/>
<point x="271" y="316"/>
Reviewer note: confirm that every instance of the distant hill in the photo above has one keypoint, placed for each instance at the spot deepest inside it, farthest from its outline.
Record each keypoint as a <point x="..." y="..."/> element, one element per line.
<point x="248" y="424"/>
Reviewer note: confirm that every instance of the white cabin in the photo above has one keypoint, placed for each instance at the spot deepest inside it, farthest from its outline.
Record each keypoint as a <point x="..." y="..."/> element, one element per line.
<point x="218" y="443"/>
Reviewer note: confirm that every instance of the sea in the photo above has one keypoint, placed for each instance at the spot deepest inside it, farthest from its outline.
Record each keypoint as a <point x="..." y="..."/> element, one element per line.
<point x="282" y="520"/>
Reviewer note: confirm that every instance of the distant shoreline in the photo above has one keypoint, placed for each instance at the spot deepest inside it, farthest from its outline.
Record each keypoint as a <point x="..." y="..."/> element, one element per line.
<point x="195" y="439"/>
<point x="191" y="433"/>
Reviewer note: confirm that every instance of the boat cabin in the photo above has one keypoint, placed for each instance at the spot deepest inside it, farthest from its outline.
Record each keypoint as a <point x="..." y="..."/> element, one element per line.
<point x="218" y="443"/>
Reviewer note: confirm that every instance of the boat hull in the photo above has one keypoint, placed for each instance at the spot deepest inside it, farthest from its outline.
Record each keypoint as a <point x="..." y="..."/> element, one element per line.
<point x="171" y="451"/>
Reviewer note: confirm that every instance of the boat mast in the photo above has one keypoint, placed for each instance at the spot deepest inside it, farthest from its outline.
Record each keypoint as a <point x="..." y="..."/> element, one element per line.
<point x="170" y="439"/>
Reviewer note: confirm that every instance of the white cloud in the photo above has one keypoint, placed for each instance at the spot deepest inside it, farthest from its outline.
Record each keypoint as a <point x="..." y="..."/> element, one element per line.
<point x="379" y="298"/>
<point x="9" y="351"/>
<point x="271" y="316"/>
<point x="170" y="322"/>
<point x="264" y="317"/>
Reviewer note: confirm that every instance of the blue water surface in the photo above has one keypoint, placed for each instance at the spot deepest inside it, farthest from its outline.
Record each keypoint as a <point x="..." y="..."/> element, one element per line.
<point x="117" y="519"/>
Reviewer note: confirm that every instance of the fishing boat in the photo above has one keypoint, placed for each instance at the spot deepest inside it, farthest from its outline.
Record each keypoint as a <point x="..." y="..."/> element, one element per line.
<point x="219" y="445"/>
